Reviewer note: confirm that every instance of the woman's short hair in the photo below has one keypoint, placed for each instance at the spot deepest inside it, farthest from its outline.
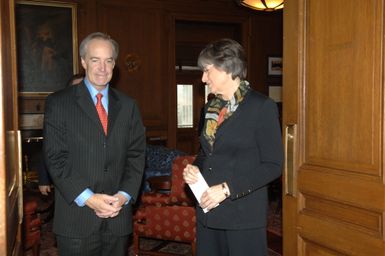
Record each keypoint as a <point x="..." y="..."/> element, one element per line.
<point x="227" y="55"/>
<point x="101" y="36"/>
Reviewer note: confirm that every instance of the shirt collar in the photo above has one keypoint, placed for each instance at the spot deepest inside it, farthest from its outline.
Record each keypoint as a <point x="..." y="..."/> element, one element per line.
<point x="93" y="91"/>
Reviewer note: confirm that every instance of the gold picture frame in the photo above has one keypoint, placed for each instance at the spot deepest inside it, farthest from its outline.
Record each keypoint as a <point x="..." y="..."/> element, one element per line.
<point x="47" y="45"/>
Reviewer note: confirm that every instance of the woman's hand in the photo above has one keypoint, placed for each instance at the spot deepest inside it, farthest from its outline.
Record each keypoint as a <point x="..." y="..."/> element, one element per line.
<point x="212" y="197"/>
<point x="190" y="174"/>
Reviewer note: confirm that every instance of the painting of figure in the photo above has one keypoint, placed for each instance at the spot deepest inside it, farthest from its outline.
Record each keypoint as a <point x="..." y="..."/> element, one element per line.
<point x="46" y="45"/>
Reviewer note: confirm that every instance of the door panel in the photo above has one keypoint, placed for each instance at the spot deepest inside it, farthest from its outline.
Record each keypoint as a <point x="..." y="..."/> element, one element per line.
<point x="343" y="60"/>
<point x="139" y="70"/>
<point x="10" y="166"/>
<point x="333" y="93"/>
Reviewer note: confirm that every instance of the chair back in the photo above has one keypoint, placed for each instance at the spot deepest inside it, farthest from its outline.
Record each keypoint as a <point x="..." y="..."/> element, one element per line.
<point x="180" y="192"/>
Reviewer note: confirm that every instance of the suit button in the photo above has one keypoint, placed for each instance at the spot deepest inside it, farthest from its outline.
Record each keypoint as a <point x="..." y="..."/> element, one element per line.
<point x="105" y="170"/>
<point x="210" y="169"/>
<point x="104" y="145"/>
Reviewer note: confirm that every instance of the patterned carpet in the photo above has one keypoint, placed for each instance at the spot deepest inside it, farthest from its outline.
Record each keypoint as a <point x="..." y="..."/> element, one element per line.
<point x="48" y="247"/>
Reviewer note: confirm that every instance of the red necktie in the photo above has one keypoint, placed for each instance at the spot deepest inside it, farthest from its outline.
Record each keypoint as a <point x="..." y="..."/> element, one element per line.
<point x="101" y="112"/>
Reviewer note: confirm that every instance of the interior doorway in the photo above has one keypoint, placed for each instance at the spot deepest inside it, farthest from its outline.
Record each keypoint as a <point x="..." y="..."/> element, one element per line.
<point x="191" y="36"/>
<point x="189" y="85"/>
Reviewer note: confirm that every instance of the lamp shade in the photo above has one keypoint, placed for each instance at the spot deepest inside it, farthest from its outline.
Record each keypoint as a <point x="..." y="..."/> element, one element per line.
<point x="262" y="5"/>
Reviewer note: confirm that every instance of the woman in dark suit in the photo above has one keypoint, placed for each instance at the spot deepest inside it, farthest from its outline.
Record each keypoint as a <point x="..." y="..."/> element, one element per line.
<point x="241" y="153"/>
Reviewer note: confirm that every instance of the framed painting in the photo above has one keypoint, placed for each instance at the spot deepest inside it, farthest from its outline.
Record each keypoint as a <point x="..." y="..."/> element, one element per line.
<point x="47" y="55"/>
<point x="274" y="66"/>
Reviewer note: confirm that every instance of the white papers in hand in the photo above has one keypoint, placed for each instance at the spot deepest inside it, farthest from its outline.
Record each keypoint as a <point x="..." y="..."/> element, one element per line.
<point x="198" y="188"/>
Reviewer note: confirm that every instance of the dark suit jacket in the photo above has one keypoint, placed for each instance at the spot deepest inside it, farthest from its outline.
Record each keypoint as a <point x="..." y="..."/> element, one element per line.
<point x="44" y="178"/>
<point x="247" y="154"/>
<point x="79" y="156"/>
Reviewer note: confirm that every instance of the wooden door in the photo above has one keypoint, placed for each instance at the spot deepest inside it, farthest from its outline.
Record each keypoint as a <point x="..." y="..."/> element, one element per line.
<point x="333" y="120"/>
<point x="10" y="166"/>
<point x="187" y="138"/>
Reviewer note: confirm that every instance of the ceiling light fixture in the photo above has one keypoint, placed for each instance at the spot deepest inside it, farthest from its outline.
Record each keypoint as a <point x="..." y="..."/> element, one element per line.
<point x="262" y="5"/>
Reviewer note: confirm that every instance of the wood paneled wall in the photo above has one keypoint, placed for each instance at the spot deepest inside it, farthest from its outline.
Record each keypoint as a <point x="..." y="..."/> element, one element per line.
<point x="145" y="30"/>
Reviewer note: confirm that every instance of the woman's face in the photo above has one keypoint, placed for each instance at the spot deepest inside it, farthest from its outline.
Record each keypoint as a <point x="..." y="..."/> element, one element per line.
<point x="218" y="80"/>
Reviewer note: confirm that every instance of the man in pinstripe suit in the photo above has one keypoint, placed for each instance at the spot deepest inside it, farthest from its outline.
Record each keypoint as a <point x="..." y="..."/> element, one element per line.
<point x="96" y="172"/>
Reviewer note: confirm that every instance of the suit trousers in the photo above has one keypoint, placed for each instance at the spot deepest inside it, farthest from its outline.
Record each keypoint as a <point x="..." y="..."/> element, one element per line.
<point x="100" y="243"/>
<point x="222" y="242"/>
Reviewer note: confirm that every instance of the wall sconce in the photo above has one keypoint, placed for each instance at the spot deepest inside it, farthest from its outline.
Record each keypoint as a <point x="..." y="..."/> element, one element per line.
<point x="262" y="5"/>
<point x="132" y="62"/>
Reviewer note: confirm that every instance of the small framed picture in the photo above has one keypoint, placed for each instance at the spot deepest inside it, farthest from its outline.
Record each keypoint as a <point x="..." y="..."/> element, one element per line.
<point x="274" y="65"/>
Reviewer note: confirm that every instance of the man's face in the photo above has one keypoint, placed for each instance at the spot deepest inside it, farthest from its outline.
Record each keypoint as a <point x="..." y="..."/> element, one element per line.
<point x="98" y="63"/>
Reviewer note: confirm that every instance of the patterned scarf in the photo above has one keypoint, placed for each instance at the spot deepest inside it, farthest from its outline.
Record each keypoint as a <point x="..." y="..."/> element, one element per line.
<point x="220" y="110"/>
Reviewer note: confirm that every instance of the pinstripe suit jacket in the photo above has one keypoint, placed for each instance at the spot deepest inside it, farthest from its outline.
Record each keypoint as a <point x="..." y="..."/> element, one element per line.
<point x="80" y="156"/>
<point x="247" y="154"/>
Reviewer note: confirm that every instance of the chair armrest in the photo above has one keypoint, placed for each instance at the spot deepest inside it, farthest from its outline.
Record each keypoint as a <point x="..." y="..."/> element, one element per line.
<point x="158" y="183"/>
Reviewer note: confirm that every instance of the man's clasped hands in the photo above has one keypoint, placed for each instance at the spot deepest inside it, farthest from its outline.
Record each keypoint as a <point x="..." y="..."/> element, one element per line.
<point x="106" y="206"/>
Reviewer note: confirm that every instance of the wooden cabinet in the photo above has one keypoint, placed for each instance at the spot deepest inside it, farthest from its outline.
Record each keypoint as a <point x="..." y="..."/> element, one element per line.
<point x="31" y="111"/>
<point x="33" y="104"/>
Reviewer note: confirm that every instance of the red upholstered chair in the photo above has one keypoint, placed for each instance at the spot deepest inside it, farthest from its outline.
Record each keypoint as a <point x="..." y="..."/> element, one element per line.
<point x="31" y="226"/>
<point x="167" y="216"/>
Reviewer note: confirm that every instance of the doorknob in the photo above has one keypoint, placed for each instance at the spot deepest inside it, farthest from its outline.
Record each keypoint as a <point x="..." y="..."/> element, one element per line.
<point x="290" y="178"/>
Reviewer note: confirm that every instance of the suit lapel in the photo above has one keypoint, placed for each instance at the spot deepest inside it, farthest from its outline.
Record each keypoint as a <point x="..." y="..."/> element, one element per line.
<point x="83" y="99"/>
<point x="219" y="133"/>
<point x="87" y="105"/>
<point x="233" y="118"/>
<point x="222" y="129"/>
<point x="114" y="107"/>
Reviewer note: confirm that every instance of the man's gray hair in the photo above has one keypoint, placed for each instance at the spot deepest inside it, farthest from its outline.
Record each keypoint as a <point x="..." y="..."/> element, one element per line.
<point x="100" y="36"/>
